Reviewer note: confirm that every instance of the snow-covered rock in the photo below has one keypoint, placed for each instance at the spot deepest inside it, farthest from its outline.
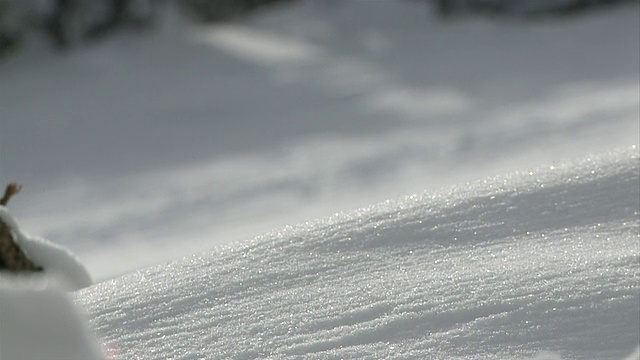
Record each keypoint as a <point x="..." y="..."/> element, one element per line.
<point x="60" y="264"/>
<point x="511" y="267"/>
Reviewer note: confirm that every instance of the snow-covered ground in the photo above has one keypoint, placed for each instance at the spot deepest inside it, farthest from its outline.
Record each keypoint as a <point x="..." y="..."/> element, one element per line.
<point x="234" y="138"/>
<point x="539" y="264"/>
<point x="142" y="148"/>
<point x="506" y="268"/>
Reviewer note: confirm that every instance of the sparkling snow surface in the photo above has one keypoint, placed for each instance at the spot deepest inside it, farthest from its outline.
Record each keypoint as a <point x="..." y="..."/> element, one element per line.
<point x="507" y="268"/>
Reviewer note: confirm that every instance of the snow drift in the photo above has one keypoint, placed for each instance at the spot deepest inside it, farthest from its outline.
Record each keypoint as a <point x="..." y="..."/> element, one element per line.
<point x="505" y="268"/>
<point x="40" y="322"/>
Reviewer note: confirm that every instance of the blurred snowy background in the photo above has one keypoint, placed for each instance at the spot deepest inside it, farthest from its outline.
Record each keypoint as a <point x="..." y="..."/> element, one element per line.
<point x="138" y="147"/>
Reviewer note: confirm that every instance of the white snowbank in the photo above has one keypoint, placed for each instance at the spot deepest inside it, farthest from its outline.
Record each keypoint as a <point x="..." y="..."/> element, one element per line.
<point x="60" y="264"/>
<point x="507" y="268"/>
<point x="41" y="322"/>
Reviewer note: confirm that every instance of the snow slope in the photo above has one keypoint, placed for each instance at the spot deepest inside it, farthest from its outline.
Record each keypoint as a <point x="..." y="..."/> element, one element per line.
<point x="221" y="133"/>
<point x="506" y="268"/>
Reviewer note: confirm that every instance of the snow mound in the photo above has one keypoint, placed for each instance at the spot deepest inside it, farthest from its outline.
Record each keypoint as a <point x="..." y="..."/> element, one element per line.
<point x="60" y="264"/>
<point x="41" y="322"/>
<point x="536" y="264"/>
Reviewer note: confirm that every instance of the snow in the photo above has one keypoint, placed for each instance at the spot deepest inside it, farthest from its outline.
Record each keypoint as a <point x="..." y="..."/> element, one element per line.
<point x="61" y="265"/>
<point x="154" y="147"/>
<point x="217" y="134"/>
<point x="510" y="267"/>
<point x="41" y="322"/>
